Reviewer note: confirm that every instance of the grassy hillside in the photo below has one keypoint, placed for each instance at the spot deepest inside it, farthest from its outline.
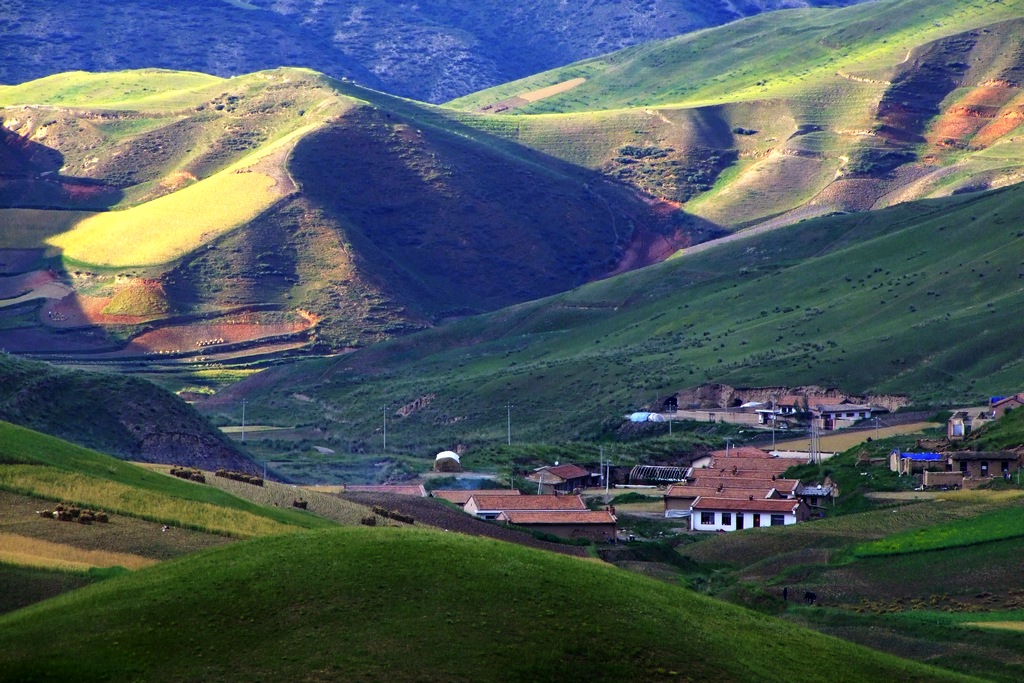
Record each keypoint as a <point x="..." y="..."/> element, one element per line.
<point x="125" y="416"/>
<point x="918" y="299"/>
<point x="231" y="619"/>
<point x="790" y="115"/>
<point x="432" y="52"/>
<point x="42" y="466"/>
<point x="155" y="213"/>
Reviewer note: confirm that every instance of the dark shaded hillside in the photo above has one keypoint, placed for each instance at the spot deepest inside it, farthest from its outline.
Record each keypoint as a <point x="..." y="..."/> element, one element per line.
<point x="124" y="416"/>
<point x="429" y="51"/>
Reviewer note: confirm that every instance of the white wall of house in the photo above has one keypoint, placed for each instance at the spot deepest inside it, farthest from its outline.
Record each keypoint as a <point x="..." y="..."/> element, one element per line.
<point x="725" y="520"/>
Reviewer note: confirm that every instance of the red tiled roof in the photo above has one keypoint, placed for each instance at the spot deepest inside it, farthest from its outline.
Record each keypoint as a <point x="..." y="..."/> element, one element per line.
<point x="756" y="505"/>
<point x="567" y="517"/>
<point x="461" y="497"/>
<point x="746" y="467"/>
<point x="402" y="490"/>
<point x="713" y="480"/>
<point x="529" y="503"/>
<point x="714" y="492"/>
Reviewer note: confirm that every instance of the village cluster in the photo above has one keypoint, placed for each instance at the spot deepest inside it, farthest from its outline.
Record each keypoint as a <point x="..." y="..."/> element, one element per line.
<point x="724" y="490"/>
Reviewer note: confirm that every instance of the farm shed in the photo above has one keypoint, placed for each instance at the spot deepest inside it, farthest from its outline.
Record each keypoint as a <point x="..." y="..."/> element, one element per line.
<point x="564" y="478"/>
<point x="657" y="473"/>
<point x="600" y="525"/>
<point x="723" y="514"/>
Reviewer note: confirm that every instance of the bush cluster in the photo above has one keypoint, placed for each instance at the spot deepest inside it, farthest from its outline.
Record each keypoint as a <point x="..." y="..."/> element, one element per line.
<point x="189" y="473"/>
<point x="69" y="513"/>
<point x="394" y="514"/>
<point x="239" y="476"/>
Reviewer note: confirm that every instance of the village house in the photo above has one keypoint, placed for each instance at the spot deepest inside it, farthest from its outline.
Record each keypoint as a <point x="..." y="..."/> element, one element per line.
<point x="831" y="417"/>
<point x="563" y="478"/>
<point x="726" y="514"/>
<point x="963" y="422"/>
<point x="489" y="507"/>
<point x="1002" y="405"/>
<point x="596" y="525"/>
<point x="983" y="464"/>
<point x="461" y="497"/>
<point x="913" y="463"/>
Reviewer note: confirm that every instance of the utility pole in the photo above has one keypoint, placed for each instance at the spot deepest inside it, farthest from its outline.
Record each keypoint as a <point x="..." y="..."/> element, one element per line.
<point x="385" y="411"/>
<point x="243" y="420"/>
<point x="508" y="407"/>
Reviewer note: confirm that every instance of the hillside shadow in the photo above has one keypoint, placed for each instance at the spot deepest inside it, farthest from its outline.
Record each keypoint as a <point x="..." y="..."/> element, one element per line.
<point x="31" y="178"/>
<point x="31" y="281"/>
<point x="531" y="224"/>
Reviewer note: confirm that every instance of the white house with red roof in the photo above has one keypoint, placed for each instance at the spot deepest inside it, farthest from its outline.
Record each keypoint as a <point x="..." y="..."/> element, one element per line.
<point x="727" y="514"/>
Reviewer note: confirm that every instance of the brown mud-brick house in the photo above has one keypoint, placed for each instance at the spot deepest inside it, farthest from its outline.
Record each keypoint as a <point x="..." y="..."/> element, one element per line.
<point x="984" y="464"/>
<point x="563" y="478"/>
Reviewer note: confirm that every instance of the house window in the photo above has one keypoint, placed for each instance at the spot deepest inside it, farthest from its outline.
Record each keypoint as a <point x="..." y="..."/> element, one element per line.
<point x="726" y="519"/>
<point x="707" y="518"/>
<point x="778" y="520"/>
<point x="757" y="519"/>
<point x="963" y="466"/>
<point x="984" y="468"/>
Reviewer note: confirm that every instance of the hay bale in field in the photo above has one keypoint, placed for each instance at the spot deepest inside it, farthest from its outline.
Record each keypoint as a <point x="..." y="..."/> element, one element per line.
<point x="369" y="521"/>
<point x="45" y="513"/>
<point x="301" y="504"/>
<point x="102" y="517"/>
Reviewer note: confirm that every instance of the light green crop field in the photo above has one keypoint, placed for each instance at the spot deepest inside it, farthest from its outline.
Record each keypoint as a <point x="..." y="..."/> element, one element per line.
<point x="140" y="89"/>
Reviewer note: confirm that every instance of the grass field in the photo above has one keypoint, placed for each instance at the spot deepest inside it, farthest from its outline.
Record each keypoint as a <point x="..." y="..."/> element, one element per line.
<point x="343" y="586"/>
<point x="993" y="526"/>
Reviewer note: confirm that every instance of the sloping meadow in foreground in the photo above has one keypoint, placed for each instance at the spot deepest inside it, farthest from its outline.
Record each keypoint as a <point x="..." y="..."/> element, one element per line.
<point x="400" y="605"/>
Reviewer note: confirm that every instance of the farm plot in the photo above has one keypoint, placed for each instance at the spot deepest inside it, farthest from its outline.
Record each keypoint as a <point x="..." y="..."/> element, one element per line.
<point x="208" y="336"/>
<point x="32" y="552"/>
<point x="122" y="534"/>
<point x="53" y="484"/>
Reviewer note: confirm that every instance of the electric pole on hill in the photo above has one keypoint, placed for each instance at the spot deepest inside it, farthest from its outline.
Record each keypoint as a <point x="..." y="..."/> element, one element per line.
<point x="508" y="407"/>
<point x="243" y="420"/>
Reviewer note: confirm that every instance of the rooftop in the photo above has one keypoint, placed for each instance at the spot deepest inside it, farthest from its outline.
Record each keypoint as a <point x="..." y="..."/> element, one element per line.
<point x="462" y="496"/>
<point x="756" y="505"/>
<point x="566" y="517"/>
<point x="528" y="502"/>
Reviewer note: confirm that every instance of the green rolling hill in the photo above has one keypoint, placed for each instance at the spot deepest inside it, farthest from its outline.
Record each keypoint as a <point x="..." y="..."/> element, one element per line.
<point x="269" y="608"/>
<point x="183" y="218"/>
<point x="920" y="299"/>
<point x="790" y="115"/>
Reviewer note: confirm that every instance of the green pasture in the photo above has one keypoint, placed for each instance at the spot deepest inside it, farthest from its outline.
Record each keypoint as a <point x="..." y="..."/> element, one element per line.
<point x="143" y="88"/>
<point x="993" y="526"/>
<point x="768" y="56"/>
<point x="866" y="302"/>
<point x="372" y="593"/>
